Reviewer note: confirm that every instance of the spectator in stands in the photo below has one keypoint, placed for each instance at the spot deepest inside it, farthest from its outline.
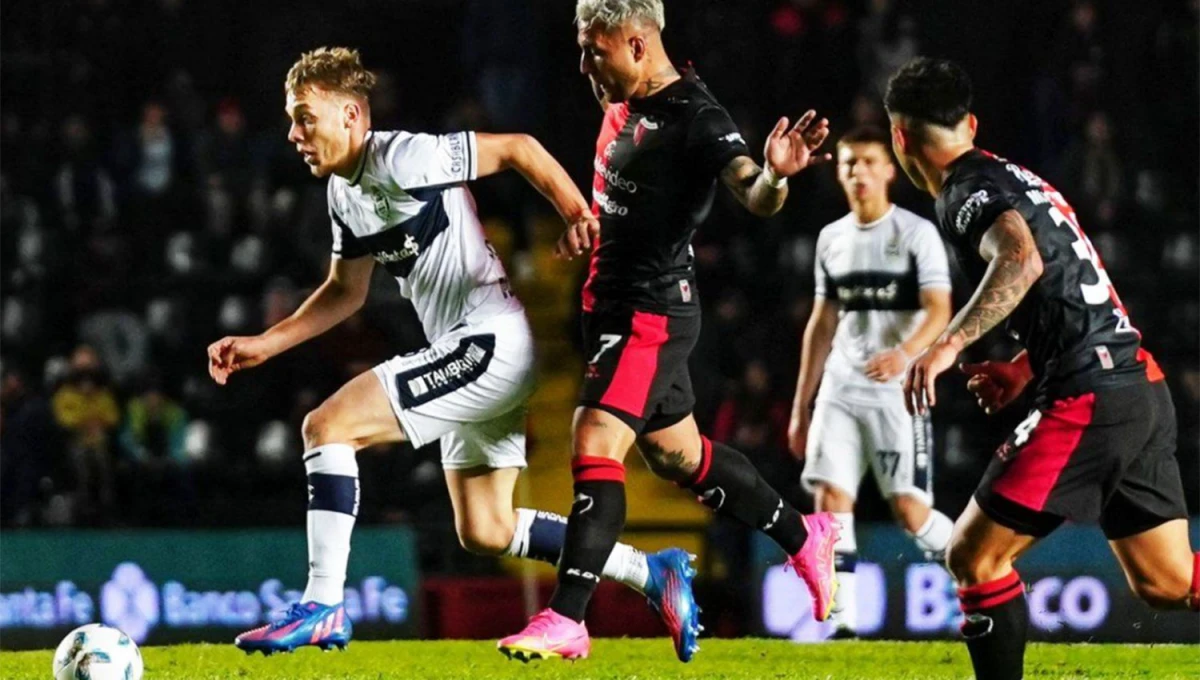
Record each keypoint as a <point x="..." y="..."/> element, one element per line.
<point x="29" y="447"/>
<point x="84" y="192"/>
<point x="153" y="441"/>
<point x="87" y="410"/>
<point x="1093" y="174"/>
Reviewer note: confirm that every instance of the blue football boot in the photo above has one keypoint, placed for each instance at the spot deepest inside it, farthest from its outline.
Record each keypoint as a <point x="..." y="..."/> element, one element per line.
<point x="308" y="623"/>
<point x="669" y="590"/>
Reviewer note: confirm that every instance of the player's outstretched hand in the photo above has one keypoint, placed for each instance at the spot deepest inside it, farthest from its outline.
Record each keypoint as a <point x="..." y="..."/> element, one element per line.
<point x="581" y="234"/>
<point x="995" y="384"/>
<point x="919" y="392"/>
<point x="234" y="353"/>
<point x="886" y="365"/>
<point x="789" y="151"/>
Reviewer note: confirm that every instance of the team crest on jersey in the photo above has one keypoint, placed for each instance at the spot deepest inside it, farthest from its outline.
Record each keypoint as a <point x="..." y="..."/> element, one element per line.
<point x="644" y="125"/>
<point x="382" y="207"/>
<point x="971" y="209"/>
<point x="608" y="150"/>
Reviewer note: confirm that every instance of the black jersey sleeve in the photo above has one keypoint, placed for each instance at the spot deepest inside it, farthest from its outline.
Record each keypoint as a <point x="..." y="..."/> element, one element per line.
<point x="713" y="140"/>
<point x="975" y="203"/>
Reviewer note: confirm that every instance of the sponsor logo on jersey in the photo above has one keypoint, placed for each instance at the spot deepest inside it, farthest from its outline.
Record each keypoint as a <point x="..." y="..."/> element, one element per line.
<point x="882" y="293"/>
<point x="458" y="153"/>
<point x="612" y="178"/>
<point x="733" y="137"/>
<point x="971" y="209"/>
<point x="411" y="249"/>
<point x="608" y="150"/>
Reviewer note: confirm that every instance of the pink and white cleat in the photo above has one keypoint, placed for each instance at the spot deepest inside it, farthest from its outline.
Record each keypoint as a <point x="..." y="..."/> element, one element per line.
<point x="814" y="562"/>
<point x="549" y="635"/>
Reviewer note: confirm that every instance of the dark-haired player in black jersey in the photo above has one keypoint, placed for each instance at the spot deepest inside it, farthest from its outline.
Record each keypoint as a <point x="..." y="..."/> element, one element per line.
<point x="1100" y="443"/>
<point x="663" y="144"/>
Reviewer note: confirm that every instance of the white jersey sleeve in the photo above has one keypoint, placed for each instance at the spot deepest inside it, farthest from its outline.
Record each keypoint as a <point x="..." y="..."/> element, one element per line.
<point x="820" y="271"/>
<point x="421" y="160"/>
<point x="933" y="267"/>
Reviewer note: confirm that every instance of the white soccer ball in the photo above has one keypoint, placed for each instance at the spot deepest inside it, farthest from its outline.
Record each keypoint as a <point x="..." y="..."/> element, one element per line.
<point x="97" y="652"/>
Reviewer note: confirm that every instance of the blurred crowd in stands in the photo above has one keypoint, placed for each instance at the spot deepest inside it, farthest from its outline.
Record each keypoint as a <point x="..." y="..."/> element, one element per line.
<point x="149" y="204"/>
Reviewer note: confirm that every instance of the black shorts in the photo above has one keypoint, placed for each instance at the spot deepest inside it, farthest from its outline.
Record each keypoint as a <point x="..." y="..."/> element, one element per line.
<point x="1107" y="456"/>
<point x="637" y="365"/>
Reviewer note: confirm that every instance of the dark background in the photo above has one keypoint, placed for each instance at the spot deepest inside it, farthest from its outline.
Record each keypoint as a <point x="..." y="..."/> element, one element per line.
<point x="150" y="204"/>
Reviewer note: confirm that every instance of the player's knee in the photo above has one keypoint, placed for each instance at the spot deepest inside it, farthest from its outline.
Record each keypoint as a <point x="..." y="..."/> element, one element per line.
<point x="1166" y="592"/>
<point x="833" y="499"/>
<point x="317" y="428"/>
<point x="972" y="564"/>
<point x="910" y="512"/>
<point x="674" y="466"/>
<point x="492" y="538"/>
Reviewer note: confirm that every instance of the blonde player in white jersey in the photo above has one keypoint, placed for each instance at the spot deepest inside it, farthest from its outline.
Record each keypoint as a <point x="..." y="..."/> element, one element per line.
<point x="882" y="295"/>
<point x="400" y="200"/>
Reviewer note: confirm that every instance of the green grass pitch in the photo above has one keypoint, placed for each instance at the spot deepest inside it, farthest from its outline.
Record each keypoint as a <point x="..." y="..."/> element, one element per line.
<point x="642" y="660"/>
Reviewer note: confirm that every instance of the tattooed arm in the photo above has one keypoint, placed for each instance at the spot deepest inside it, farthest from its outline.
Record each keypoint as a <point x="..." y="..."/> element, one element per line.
<point x="1014" y="266"/>
<point x="752" y="188"/>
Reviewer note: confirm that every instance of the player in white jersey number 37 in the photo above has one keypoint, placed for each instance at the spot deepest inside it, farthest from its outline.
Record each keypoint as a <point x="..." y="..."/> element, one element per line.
<point x="882" y="296"/>
<point x="400" y="200"/>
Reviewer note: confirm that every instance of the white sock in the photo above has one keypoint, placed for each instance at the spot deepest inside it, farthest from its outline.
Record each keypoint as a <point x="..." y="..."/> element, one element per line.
<point x="540" y="535"/>
<point x="845" y="605"/>
<point x="627" y="565"/>
<point x="934" y="535"/>
<point x="332" y="506"/>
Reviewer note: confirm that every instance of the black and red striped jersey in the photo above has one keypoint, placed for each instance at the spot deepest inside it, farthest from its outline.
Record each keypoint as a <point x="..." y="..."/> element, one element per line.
<point x="1072" y="322"/>
<point x="656" y="165"/>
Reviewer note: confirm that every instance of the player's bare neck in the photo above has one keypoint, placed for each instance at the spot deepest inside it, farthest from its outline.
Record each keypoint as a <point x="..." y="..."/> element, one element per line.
<point x="354" y="155"/>
<point x="940" y="161"/>
<point x="869" y="211"/>
<point x="662" y="77"/>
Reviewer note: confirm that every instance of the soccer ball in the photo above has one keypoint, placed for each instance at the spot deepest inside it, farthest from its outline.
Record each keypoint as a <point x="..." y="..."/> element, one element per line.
<point x="97" y="652"/>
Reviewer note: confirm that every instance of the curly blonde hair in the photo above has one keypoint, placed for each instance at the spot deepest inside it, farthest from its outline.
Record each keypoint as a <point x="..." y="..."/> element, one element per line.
<point x="336" y="69"/>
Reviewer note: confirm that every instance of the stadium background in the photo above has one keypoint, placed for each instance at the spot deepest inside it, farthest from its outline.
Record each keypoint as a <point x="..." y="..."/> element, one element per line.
<point x="150" y="204"/>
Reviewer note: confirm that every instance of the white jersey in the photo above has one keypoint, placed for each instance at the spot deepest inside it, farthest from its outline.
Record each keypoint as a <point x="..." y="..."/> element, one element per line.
<point x="408" y="207"/>
<point x="875" y="273"/>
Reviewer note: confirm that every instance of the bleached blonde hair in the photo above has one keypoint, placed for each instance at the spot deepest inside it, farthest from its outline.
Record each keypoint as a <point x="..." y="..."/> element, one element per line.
<point x="609" y="14"/>
<point x="335" y="69"/>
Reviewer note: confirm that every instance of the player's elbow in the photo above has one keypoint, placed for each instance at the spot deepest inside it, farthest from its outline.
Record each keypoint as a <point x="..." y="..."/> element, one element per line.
<point x="1033" y="265"/>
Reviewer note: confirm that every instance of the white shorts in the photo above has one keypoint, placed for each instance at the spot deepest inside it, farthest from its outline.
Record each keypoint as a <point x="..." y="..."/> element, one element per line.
<point x="846" y="437"/>
<point x="470" y="390"/>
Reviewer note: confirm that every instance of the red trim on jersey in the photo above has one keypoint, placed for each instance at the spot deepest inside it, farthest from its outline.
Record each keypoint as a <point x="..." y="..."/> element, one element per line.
<point x="1036" y="466"/>
<point x="630" y="386"/>
<point x="614" y="121"/>
<point x="597" y="469"/>
<point x="991" y="594"/>
<point x="1153" y="372"/>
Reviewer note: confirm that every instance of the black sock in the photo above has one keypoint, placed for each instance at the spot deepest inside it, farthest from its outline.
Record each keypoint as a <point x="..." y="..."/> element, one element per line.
<point x="728" y="482"/>
<point x="995" y="627"/>
<point x="593" y="528"/>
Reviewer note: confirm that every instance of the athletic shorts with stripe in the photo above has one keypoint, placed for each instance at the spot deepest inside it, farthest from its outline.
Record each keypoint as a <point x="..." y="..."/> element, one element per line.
<point x="1107" y="455"/>
<point x="848" y="436"/>
<point x="637" y="365"/>
<point x="469" y="390"/>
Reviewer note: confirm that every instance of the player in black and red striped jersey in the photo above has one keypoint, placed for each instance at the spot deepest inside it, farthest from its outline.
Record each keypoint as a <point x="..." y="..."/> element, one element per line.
<point x="1100" y="442"/>
<point x="663" y="144"/>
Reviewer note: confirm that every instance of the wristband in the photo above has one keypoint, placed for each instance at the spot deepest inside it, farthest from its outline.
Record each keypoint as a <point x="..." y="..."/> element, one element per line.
<point x="774" y="180"/>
